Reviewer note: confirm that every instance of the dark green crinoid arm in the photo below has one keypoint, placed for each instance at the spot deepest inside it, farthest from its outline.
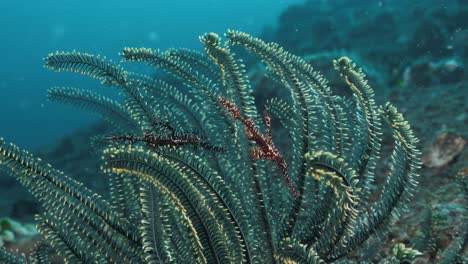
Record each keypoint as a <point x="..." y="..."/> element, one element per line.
<point x="75" y="216"/>
<point x="10" y="257"/>
<point x="111" y="111"/>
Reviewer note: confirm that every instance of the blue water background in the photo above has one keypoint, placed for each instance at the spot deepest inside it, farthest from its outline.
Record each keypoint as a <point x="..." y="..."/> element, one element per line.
<point x="31" y="29"/>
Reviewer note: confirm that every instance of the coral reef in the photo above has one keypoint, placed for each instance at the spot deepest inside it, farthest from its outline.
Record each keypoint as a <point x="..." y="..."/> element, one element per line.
<point x="16" y="235"/>
<point x="385" y="35"/>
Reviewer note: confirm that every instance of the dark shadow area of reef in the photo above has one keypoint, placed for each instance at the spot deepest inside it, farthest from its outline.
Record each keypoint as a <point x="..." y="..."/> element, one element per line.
<point x="415" y="56"/>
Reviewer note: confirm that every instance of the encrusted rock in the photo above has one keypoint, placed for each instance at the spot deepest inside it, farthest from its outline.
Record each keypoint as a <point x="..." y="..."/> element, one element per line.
<point x="444" y="150"/>
<point x="427" y="73"/>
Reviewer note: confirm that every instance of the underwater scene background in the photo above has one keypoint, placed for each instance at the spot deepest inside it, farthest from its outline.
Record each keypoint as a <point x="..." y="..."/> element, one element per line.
<point x="414" y="54"/>
<point x="36" y="29"/>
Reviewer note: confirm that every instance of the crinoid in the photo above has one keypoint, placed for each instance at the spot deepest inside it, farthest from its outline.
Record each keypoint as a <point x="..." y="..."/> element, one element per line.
<point x="195" y="176"/>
